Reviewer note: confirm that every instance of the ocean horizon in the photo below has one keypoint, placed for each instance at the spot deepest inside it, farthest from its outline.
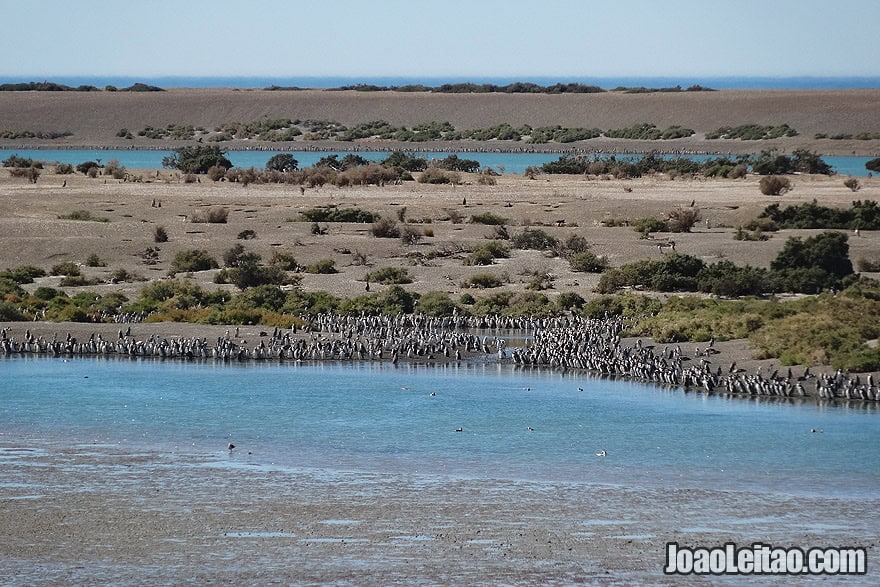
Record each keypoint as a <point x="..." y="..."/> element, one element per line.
<point x="251" y="82"/>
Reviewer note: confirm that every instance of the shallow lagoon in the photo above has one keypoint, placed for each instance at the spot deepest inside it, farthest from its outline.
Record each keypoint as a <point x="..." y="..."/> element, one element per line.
<point x="117" y="472"/>
<point x="517" y="425"/>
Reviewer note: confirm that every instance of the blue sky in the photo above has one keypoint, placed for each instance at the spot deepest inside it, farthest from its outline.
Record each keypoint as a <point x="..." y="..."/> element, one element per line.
<point x="480" y="38"/>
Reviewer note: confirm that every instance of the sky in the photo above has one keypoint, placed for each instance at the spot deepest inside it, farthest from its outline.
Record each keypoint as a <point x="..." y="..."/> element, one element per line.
<point x="443" y="38"/>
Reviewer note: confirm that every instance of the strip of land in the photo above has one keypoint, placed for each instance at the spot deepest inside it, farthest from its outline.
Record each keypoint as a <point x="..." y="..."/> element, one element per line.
<point x="94" y="119"/>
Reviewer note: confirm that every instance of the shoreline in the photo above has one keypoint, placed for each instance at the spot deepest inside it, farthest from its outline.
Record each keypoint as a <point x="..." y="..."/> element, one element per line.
<point x="242" y="347"/>
<point x="610" y="148"/>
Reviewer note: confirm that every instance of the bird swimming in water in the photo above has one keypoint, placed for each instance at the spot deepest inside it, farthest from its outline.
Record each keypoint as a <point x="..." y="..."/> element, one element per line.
<point x="459" y="429"/>
<point x="602" y="453"/>
<point x="230" y="447"/>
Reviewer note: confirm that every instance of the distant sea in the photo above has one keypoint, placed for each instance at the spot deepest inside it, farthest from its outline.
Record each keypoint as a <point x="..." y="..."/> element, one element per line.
<point x="719" y="83"/>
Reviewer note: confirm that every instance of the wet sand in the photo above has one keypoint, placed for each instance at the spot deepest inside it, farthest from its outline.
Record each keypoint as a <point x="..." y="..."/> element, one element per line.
<point x="84" y="514"/>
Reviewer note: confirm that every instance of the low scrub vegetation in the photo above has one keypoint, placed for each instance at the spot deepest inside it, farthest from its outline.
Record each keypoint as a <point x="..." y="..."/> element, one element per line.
<point x="211" y="216"/>
<point x="193" y="260"/>
<point x="83" y="215"/>
<point x="332" y="214"/>
<point x="864" y="215"/>
<point x="389" y="276"/>
<point x="803" y="266"/>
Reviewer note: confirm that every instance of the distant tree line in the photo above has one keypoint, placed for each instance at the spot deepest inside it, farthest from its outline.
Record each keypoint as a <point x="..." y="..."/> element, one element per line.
<point x="53" y="87"/>
<point x="803" y="266"/>
<point x="768" y="162"/>
<point x="513" y="88"/>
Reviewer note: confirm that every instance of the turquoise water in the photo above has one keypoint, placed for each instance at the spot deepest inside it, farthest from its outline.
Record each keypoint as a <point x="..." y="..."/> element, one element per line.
<point x="380" y="418"/>
<point x="508" y="162"/>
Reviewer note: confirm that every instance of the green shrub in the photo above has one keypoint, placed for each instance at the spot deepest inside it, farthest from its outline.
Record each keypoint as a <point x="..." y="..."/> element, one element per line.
<point x="389" y="276"/>
<point x="284" y="260"/>
<point x="193" y="260"/>
<point x="432" y="175"/>
<point x="486" y="253"/>
<point x="160" y="235"/>
<point x="569" y="300"/>
<point x="9" y="313"/>
<point x="23" y="274"/>
<point x="249" y="273"/>
<point x="86" y="166"/>
<point x="67" y="268"/>
<point x="437" y="303"/>
<point x="9" y="287"/>
<point x="483" y="281"/>
<point x="587" y="262"/>
<point x="196" y="159"/>
<point x="488" y="218"/>
<point x="94" y="260"/>
<point x="535" y="239"/>
<point x="650" y="224"/>
<point x="331" y="214"/>
<point x="324" y="266"/>
<point x="283" y="162"/>
<point x="385" y="228"/>
<point x="863" y="215"/>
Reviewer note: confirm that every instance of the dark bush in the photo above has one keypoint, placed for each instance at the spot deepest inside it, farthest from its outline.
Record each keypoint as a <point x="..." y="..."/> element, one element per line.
<point x="211" y="216"/>
<point x="534" y="238"/>
<point x="864" y="215"/>
<point x="282" y="162"/>
<point x="196" y="159"/>
<point x="650" y="224"/>
<point x="853" y="184"/>
<point x="483" y="281"/>
<point x="23" y="274"/>
<point x="67" y="268"/>
<point x="385" y="228"/>
<point x="488" y="218"/>
<point x="324" y="266"/>
<point x="819" y="262"/>
<point x="389" y="276"/>
<point x="433" y="175"/>
<point x="339" y="215"/>
<point x="193" y="260"/>
<point x="160" y="235"/>
<point x="773" y="185"/>
<point x="587" y="262"/>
